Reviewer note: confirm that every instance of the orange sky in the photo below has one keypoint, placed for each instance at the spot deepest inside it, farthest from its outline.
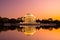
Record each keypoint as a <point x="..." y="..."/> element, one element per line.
<point x="42" y="9"/>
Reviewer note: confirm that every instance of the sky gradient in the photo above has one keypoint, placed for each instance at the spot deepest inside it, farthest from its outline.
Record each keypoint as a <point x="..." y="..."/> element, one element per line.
<point x="42" y="9"/>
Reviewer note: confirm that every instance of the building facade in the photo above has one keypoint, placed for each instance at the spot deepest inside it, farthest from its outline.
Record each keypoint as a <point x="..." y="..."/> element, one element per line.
<point x="29" y="18"/>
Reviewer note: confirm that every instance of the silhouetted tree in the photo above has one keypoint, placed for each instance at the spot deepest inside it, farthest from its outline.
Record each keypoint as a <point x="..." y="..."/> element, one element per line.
<point x="37" y="20"/>
<point x="5" y="20"/>
<point x="44" y="21"/>
<point x="19" y="20"/>
<point x="50" y="19"/>
<point x="0" y="20"/>
<point x="12" y="20"/>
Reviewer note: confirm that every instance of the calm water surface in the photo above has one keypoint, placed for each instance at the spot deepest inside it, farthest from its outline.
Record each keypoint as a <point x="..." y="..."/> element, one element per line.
<point x="41" y="34"/>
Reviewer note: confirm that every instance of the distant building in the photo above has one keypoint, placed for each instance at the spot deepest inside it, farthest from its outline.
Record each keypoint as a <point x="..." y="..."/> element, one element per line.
<point x="29" y="18"/>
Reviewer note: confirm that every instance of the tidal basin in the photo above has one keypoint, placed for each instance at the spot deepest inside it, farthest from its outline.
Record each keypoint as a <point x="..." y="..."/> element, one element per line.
<point x="29" y="33"/>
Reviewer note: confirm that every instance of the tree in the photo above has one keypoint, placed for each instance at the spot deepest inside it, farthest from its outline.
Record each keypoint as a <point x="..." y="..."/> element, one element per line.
<point x="12" y="20"/>
<point x="50" y="19"/>
<point x="0" y="20"/>
<point x="37" y="20"/>
<point x="5" y="20"/>
<point x="19" y="20"/>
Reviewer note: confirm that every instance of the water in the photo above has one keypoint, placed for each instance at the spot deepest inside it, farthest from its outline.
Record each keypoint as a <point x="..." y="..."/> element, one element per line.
<point x="29" y="33"/>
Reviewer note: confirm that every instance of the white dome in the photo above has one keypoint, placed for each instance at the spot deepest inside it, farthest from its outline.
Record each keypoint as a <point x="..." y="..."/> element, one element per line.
<point x="29" y="14"/>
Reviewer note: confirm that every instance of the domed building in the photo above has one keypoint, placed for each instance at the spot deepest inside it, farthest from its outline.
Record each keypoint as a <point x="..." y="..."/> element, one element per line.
<point x="29" y="18"/>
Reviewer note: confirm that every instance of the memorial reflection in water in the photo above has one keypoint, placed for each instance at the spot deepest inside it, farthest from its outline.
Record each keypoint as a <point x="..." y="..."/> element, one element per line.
<point x="28" y="30"/>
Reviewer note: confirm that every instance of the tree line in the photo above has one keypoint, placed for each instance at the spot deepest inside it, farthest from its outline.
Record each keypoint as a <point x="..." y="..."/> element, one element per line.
<point x="18" y="20"/>
<point x="12" y="20"/>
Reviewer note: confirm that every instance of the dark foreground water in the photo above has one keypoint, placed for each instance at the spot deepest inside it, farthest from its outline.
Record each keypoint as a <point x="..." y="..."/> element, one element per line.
<point x="29" y="33"/>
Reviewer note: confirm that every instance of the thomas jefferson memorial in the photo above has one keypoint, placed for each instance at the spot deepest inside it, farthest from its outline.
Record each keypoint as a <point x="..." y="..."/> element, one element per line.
<point x="29" y="18"/>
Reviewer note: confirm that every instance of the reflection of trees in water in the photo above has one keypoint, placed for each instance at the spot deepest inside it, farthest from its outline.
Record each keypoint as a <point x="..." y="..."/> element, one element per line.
<point x="6" y="28"/>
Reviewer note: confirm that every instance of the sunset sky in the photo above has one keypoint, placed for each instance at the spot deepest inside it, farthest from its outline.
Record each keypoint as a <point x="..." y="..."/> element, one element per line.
<point x="42" y="9"/>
